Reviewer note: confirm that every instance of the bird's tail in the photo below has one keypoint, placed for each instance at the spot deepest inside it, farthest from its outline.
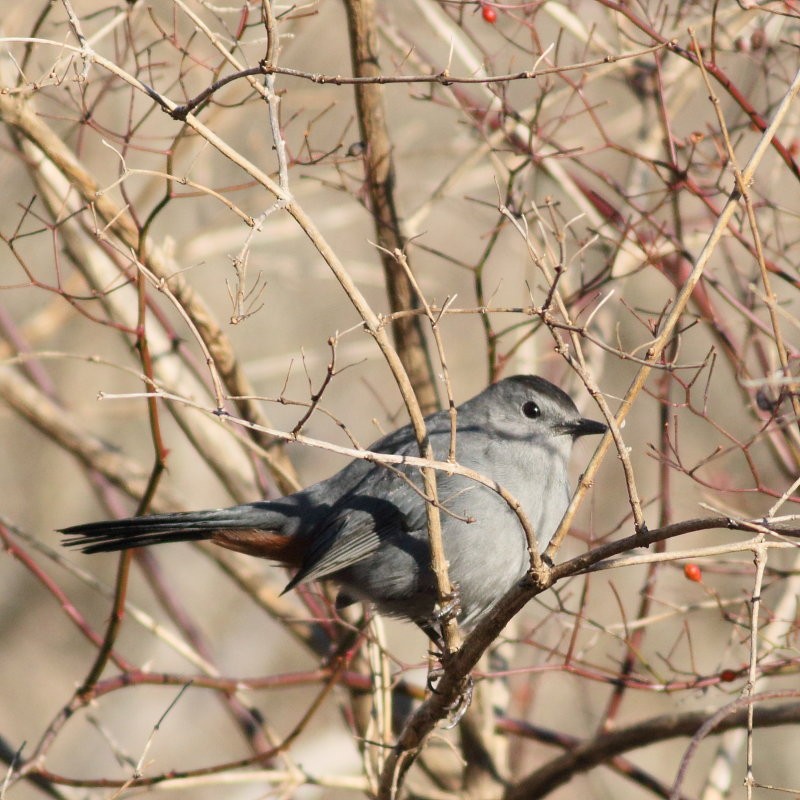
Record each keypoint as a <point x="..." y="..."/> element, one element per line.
<point x="253" y="529"/>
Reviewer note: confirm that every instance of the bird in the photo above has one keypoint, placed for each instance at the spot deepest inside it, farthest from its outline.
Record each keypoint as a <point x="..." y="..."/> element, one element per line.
<point x="365" y="527"/>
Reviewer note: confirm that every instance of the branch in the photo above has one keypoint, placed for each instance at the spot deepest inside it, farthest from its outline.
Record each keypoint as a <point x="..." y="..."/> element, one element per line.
<point x="380" y="185"/>
<point x="606" y="746"/>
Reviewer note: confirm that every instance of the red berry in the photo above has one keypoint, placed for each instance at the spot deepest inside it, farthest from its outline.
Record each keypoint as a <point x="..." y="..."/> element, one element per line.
<point x="692" y="573"/>
<point x="727" y="675"/>
<point x="489" y="14"/>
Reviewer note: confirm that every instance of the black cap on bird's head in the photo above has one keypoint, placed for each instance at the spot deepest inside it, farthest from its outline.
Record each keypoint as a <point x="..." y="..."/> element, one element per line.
<point x="539" y="403"/>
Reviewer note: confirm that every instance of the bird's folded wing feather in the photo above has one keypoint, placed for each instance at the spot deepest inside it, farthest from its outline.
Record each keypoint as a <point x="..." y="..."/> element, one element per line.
<point x="359" y="525"/>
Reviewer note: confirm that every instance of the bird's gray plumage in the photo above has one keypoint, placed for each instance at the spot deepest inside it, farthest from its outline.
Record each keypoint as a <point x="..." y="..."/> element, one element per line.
<point x="365" y="526"/>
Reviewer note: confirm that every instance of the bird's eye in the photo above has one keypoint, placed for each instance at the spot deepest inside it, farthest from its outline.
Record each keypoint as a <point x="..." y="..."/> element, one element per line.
<point x="531" y="410"/>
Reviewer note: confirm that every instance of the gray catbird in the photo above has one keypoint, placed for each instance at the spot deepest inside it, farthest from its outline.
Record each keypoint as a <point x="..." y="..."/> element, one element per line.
<point x="365" y="527"/>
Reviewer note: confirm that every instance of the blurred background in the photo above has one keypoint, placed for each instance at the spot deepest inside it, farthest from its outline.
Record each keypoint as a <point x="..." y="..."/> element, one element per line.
<point x="552" y="214"/>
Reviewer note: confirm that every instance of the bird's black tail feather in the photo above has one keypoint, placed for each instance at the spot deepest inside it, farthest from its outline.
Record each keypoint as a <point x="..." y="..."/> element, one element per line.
<point x="123" y="534"/>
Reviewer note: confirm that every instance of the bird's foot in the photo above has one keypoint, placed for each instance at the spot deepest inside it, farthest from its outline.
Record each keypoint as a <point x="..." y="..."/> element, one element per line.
<point x="450" y="607"/>
<point x="459" y="706"/>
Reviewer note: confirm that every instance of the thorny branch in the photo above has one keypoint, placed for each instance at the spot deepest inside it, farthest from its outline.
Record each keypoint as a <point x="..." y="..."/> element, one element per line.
<point x="147" y="151"/>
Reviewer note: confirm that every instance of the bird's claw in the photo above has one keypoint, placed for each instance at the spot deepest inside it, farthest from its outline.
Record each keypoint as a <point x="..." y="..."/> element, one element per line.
<point x="459" y="706"/>
<point x="434" y="674"/>
<point x="450" y="607"/>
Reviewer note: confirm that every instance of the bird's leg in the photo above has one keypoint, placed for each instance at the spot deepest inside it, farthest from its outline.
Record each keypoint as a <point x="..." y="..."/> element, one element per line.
<point x="448" y="609"/>
<point x="461" y="703"/>
<point x="432" y="628"/>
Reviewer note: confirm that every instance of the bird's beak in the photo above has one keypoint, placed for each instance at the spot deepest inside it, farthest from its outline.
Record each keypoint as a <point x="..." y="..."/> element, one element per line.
<point x="583" y="427"/>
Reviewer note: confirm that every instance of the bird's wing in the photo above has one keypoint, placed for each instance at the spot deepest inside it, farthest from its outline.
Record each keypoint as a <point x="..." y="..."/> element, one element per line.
<point x="358" y="524"/>
<point x="361" y="523"/>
